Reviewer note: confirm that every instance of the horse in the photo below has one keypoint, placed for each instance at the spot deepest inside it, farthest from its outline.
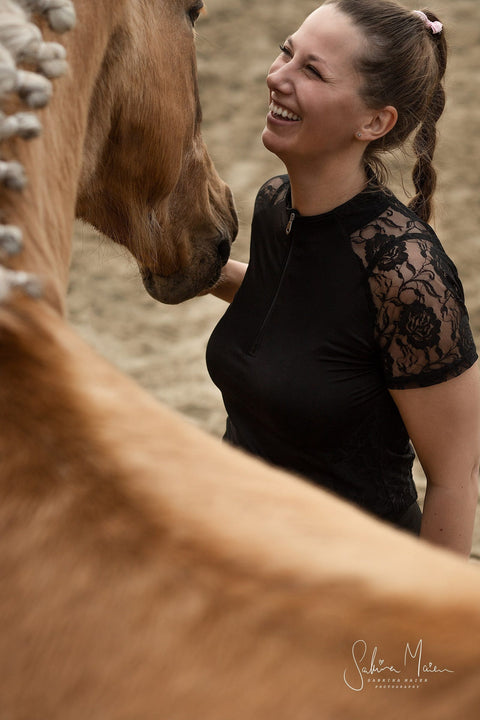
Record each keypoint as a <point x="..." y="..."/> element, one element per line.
<point x="149" y="571"/>
<point x="122" y="149"/>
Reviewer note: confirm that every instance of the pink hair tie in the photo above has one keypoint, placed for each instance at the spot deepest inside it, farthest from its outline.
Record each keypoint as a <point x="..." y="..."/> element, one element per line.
<point x="436" y="27"/>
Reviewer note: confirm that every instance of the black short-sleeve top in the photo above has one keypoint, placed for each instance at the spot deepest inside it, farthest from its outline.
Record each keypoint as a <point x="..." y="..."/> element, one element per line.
<point x="334" y="310"/>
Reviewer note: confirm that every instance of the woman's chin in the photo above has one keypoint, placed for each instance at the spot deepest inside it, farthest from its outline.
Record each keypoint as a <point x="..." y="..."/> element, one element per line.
<point x="271" y="142"/>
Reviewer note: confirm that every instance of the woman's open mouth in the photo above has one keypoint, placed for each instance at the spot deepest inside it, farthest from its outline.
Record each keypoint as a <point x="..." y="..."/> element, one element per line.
<point x="281" y="113"/>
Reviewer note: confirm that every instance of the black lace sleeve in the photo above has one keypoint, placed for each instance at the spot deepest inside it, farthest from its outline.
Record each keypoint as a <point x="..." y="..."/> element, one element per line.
<point x="422" y="324"/>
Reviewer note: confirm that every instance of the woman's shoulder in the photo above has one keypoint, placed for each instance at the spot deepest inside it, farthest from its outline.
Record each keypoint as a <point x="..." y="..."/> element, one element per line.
<point x="273" y="192"/>
<point x="396" y="236"/>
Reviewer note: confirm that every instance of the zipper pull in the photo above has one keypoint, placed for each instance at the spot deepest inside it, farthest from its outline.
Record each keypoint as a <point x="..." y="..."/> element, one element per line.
<point x="290" y="223"/>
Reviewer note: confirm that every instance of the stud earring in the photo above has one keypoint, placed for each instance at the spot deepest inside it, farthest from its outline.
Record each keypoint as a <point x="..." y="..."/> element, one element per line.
<point x="359" y="134"/>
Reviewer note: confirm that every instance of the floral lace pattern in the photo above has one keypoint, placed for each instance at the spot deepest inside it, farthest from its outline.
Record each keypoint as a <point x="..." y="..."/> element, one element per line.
<point x="422" y="325"/>
<point x="273" y="192"/>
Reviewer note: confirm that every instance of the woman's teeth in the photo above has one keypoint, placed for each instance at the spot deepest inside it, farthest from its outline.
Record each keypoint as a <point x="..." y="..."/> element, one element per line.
<point x="281" y="112"/>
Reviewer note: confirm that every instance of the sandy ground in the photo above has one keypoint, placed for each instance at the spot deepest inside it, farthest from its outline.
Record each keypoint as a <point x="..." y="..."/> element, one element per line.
<point x="163" y="347"/>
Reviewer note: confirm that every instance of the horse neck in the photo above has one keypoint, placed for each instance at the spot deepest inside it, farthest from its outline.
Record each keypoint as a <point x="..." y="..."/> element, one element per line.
<point x="45" y="209"/>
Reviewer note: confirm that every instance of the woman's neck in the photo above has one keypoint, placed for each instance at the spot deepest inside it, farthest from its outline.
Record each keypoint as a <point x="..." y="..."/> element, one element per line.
<point x="316" y="192"/>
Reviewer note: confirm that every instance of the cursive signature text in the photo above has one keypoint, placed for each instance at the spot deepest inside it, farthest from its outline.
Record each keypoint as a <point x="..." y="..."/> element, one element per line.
<point x="370" y="664"/>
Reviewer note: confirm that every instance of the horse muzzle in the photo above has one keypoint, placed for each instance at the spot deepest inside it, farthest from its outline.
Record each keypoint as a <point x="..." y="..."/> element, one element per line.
<point x="197" y="278"/>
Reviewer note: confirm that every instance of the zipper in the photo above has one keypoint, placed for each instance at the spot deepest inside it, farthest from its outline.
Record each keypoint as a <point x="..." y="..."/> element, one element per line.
<point x="263" y="326"/>
<point x="288" y="229"/>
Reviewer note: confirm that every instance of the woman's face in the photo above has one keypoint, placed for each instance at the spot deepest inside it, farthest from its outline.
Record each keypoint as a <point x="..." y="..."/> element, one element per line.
<point x="315" y="104"/>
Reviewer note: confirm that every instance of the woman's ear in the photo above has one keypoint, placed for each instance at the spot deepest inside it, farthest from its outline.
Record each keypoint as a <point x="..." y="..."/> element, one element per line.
<point x="379" y="124"/>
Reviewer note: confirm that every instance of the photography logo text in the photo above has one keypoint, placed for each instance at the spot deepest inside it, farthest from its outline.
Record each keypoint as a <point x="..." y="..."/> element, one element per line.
<point x="368" y="668"/>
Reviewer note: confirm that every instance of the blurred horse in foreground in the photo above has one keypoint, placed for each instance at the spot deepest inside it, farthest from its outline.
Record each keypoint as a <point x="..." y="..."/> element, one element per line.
<point x="149" y="572"/>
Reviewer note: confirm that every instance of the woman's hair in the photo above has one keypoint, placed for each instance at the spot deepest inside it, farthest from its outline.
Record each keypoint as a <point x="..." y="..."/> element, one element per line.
<point x="403" y="65"/>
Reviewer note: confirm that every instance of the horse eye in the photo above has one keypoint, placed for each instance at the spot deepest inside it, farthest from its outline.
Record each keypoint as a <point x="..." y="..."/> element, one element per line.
<point x="195" y="11"/>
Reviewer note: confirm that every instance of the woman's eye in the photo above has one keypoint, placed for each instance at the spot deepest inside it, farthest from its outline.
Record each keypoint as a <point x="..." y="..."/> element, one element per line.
<point x="314" y="71"/>
<point x="194" y="12"/>
<point x="284" y="49"/>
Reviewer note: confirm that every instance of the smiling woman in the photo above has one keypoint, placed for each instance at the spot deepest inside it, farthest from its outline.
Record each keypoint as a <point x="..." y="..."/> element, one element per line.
<point x="347" y="337"/>
<point x="322" y="91"/>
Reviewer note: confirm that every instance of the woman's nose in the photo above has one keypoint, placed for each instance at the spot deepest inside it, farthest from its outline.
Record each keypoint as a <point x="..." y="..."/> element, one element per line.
<point x="279" y="79"/>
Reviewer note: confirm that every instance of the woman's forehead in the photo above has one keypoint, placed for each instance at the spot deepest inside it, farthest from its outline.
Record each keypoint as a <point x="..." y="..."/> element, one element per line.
<point x="331" y="35"/>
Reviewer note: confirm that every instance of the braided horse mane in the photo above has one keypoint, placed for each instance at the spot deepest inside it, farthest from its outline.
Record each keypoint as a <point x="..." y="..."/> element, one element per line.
<point x="21" y="43"/>
<point x="149" y="572"/>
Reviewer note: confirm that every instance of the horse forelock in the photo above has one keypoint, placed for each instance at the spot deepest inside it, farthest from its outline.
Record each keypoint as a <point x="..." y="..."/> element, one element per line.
<point x="21" y="42"/>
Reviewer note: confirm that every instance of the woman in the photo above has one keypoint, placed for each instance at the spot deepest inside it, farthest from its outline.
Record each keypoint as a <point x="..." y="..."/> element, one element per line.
<point x="347" y="336"/>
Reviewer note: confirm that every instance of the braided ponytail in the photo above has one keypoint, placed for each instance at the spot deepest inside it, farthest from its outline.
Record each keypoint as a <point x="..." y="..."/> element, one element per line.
<point x="424" y="175"/>
<point x="403" y="65"/>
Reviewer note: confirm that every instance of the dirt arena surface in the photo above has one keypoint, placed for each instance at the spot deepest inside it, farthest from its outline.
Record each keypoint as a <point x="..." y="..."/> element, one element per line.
<point x="163" y="347"/>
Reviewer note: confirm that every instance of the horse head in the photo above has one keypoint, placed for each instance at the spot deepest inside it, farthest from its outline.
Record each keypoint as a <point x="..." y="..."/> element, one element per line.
<point x="147" y="181"/>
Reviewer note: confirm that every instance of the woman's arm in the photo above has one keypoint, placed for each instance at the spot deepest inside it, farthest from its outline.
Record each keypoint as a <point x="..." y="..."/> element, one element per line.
<point x="443" y="422"/>
<point x="230" y="280"/>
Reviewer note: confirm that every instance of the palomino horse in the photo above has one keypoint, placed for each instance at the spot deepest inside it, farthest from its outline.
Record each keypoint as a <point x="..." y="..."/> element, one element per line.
<point x="148" y="572"/>
<point x="121" y="147"/>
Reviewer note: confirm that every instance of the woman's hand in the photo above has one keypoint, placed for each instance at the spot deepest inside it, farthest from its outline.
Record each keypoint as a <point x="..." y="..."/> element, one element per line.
<point x="230" y="280"/>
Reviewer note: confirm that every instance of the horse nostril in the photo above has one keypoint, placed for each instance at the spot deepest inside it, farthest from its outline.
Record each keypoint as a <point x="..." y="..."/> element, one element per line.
<point x="223" y="250"/>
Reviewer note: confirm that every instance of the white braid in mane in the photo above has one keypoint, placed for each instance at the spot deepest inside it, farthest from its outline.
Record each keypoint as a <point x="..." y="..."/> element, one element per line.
<point x="60" y="13"/>
<point x="21" y="42"/>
